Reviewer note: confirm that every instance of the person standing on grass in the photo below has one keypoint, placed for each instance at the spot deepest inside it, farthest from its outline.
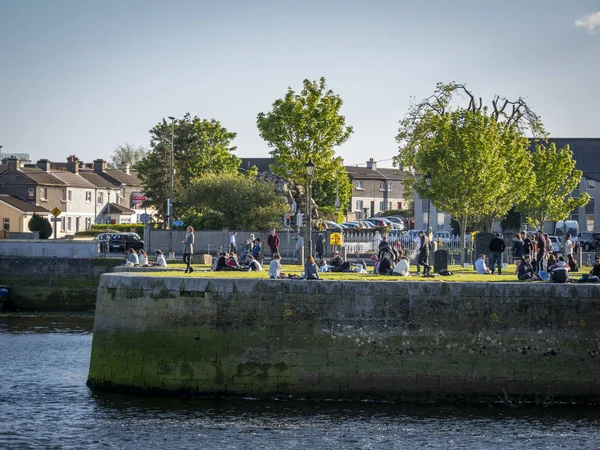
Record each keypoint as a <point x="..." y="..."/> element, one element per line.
<point x="320" y="247"/>
<point x="232" y="245"/>
<point x="188" y="249"/>
<point x="517" y="250"/>
<point x="273" y="242"/>
<point x="568" y="245"/>
<point x="497" y="246"/>
<point x="541" y="253"/>
<point x="424" y="245"/>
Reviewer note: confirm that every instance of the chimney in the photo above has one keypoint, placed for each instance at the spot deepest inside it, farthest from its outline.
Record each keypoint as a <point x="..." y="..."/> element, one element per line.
<point x="124" y="168"/>
<point x="13" y="163"/>
<point x="44" y="164"/>
<point x="99" y="166"/>
<point x="372" y="164"/>
<point x="72" y="164"/>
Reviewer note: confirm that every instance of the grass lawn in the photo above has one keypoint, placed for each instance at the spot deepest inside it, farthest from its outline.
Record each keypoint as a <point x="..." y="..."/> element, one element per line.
<point x="460" y="274"/>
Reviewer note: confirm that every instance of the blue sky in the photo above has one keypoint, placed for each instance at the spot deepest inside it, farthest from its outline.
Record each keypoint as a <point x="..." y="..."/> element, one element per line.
<point x="81" y="77"/>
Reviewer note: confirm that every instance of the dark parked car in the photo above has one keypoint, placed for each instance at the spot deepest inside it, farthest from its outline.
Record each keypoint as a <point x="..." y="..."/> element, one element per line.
<point x="589" y="241"/>
<point x="103" y="239"/>
<point x="125" y="241"/>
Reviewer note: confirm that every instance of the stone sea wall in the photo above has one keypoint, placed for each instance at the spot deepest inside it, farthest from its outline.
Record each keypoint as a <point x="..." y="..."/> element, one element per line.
<point x="347" y="340"/>
<point x="52" y="284"/>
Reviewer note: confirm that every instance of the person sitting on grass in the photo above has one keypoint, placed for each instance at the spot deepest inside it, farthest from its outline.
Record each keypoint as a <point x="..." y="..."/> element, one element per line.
<point x="526" y="272"/>
<point x="573" y="266"/>
<point x="311" y="271"/>
<point x="160" y="259"/>
<point x="143" y="258"/>
<point x="252" y="265"/>
<point x="480" y="265"/>
<point x="275" y="266"/>
<point x="559" y="272"/>
<point x="336" y="262"/>
<point x="403" y="266"/>
<point x="323" y="266"/>
<point x="220" y="263"/>
<point x="232" y="262"/>
<point x="596" y="269"/>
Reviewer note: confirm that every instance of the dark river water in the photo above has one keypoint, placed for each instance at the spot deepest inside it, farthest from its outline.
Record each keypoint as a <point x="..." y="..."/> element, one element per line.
<point x="44" y="403"/>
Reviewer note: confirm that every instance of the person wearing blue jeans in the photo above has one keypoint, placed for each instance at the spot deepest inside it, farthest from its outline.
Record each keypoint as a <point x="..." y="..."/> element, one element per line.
<point x="497" y="246"/>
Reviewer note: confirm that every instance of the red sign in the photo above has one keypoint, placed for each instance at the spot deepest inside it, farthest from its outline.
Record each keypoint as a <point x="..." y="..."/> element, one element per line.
<point x="137" y="198"/>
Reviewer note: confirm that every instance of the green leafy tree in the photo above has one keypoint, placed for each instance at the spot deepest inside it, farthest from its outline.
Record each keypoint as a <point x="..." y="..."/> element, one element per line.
<point x="234" y="201"/>
<point x="303" y="126"/>
<point x="555" y="179"/>
<point x="41" y="224"/>
<point x="468" y="160"/>
<point x="200" y="147"/>
<point x="127" y="154"/>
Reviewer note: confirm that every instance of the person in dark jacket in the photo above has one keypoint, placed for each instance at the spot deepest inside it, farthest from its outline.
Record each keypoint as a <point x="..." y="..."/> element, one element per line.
<point x="517" y="250"/>
<point x="541" y="254"/>
<point x="596" y="270"/>
<point x="273" y="242"/>
<point x="320" y="247"/>
<point x="497" y="246"/>
<point x="424" y="253"/>
<point x="336" y="262"/>
<point x="573" y="266"/>
<point x="526" y="272"/>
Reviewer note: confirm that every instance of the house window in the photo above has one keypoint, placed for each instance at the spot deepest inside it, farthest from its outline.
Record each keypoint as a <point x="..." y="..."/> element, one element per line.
<point x="399" y="205"/>
<point x="390" y="187"/>
<point x="67" y="195"/>
<point x="382" y="185"/>
<point x="43" y="194"/>
<point x="359" y="205"/>
<point x="390" y="205"/>
<point x="591" y="185"/>
<point x="381" y="206"/>
<point x="100" y="198"/>
<point x="88" y="196"/>
<point x="590" y="223"/>
<point x="88" y="223"/>
<point x="6" y="223"/>
<point x="360" y="185"/>
<point x="30" y="193"/>
<point x="69" y="223"/>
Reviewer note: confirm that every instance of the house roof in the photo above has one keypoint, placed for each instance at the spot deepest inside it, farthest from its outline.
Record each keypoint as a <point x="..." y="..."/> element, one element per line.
<point x="22" y="205"/>
<point x="586" y="153"/>
<point x="73" y="179"/>
<point x="364" y="173"/>
<point x="42" y="177"/>
<point x="97" y="180"/>
<point x="261" y="163"/>
<point x="121" y="177"/>
<point x="117" y="209"/>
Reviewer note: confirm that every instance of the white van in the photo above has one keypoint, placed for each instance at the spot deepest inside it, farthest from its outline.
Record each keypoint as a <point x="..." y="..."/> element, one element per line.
<point x="571" y="227"/>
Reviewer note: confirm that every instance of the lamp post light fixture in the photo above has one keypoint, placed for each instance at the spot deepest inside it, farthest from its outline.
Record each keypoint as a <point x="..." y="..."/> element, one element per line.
<point x="310" y="172"/>
<point x="108" y="223"/>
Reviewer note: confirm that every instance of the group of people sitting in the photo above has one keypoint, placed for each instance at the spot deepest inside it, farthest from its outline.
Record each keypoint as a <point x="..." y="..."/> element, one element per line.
<point x="140" y="259"/>
<point x="390" y="261"/>
<point x="229" y="261"/>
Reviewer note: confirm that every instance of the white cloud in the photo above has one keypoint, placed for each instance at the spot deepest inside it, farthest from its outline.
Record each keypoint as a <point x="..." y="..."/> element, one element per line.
<point x="591" y="21"/>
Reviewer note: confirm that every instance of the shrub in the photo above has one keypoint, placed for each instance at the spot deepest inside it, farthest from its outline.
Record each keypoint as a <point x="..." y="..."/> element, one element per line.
<point x="41" y="224"/>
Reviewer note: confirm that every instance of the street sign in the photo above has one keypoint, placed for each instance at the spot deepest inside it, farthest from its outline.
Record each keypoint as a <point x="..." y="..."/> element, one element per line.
<point x="178" y="223"/>
<point x="138" y="198"/>
<point x="56" y="212"/>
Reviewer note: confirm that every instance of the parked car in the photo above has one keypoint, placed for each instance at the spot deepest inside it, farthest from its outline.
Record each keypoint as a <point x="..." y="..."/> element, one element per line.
<point x="445" y="236"/>
<point x="397" y="221"/>
<point x="125" y="241"/>
<point x="556" y="243"/>
<point x="589" y="241"/>
<point x="350" y="225"/>
<point x="103" y="239"/>
<point x="330" y="225"/>
<point x="382" y="222"/>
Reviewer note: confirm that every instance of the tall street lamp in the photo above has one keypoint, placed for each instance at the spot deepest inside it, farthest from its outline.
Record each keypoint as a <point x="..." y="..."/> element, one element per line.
<point x="108" y="223"/>
<point x="170" y="205"/>
<point x="310" y="172"/>
<point x="428" y="183"/>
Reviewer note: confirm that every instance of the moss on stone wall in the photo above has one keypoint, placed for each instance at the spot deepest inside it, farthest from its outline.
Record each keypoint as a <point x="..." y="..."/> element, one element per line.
<point x="346" y="340"/>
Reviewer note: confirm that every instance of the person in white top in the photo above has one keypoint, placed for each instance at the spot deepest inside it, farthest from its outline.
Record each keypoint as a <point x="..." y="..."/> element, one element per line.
<point x="275" y="266"/>
<point x="568" y="245"/>
<point x="160" y="259"/>
<point x="232" y="245"/>
<point x="402" y="266"/>
<point x="143" y="258"/>
<point x="481" y="266"/>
